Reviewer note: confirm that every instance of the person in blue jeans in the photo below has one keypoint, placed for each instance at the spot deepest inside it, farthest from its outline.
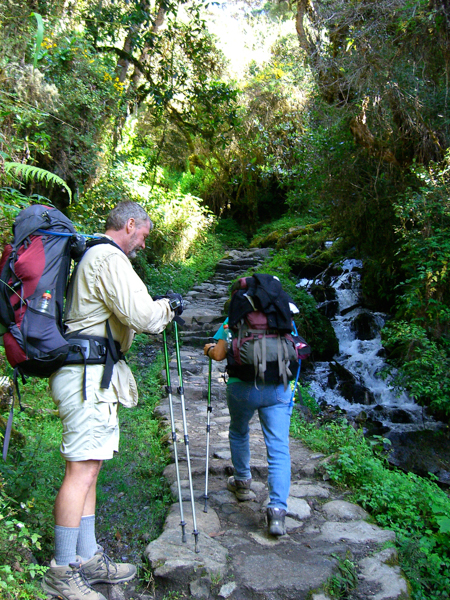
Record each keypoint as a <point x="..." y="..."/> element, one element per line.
<point x="274" y="406"/>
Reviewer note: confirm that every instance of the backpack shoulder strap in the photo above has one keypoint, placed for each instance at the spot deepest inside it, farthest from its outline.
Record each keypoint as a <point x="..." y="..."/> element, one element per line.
<point x="97" y="241"/>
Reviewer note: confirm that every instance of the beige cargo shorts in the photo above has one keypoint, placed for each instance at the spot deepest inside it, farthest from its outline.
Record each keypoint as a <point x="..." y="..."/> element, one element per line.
<point x="91" y="426"/>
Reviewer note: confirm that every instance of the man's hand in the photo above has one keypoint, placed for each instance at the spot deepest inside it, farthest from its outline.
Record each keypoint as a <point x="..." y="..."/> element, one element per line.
<point x="176" y="303"/>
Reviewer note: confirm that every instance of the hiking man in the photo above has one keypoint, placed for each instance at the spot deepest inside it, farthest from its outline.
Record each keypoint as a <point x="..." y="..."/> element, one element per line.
<point x="274" y="406"/>
<point x="106" y="296"/>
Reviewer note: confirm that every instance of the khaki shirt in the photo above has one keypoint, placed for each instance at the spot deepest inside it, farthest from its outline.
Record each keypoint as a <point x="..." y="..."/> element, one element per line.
<point x="106" y="287"/>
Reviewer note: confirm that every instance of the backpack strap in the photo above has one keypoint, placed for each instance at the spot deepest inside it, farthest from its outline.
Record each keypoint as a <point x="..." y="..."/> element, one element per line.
<point x="9" y="423"/>
<point x="112" y="356"/>
<point x="283" y="361"/>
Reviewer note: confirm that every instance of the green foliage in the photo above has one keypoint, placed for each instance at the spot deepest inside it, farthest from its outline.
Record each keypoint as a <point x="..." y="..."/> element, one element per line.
<point x="304" y="398"/>
<point x="181" y="275"/>
<point x="196" y="182"/>
<point x="19" y="578"/>
<point x="346" y="579"/>
<point x="28" y="172"/>
<point x="39" y="36"/>
<point x="230" y="234"/>
<point x="414" y="507"/>
<point x="424" y="252"/>
<point x="181" y="223"/>
<point x="423" y="364"/>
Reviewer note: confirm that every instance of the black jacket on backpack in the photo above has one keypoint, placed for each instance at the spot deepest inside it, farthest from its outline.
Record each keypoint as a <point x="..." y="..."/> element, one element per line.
<point x="269" y="297"/>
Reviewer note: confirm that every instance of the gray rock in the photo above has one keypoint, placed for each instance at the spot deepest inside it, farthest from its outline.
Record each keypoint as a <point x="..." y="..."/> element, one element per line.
<point x="302" y="491"/>
<point x="223" y="454"/>
<point x="258" y="486"/>
<point x="389" y="578"/>
<point x="298" y="509"/>
<point x="185" y="491"/>
<point x="173" y="560"/>
<point x="223" y="497"/>
<point x="227" y="589"/>
<point x="200" y="588"/>
<point x="207" y="523"/>
<point x="264" y="539"/>
<point x="358" y="532"/>
<point x="290" y="576"/>
<point x="292" y="525"/>
<point x="340" y="510"/>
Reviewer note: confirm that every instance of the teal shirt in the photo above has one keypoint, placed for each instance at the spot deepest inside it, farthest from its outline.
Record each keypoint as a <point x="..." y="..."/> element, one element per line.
<point x="221" y="335"/>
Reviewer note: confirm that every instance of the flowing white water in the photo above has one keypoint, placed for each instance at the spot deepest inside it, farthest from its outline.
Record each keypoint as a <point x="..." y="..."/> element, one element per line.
<point x="364" y="359"/>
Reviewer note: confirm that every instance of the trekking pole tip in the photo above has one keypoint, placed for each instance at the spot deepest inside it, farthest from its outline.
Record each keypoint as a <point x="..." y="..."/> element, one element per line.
<point x="195" y="534"/>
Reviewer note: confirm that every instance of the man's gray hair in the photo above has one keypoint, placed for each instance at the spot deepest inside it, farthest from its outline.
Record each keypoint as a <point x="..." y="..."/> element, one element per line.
<point x="118" y="217"/>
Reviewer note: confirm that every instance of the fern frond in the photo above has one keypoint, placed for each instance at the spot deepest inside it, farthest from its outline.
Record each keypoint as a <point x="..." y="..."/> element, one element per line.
<point x="28" y="172"/>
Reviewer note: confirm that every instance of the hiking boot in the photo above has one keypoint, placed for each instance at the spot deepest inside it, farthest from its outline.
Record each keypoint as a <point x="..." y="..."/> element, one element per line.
<point x="240" y="488"/>
<point x="68" y="582"/>
<point x="275" y="519"/>
<point x="102" y="569"/>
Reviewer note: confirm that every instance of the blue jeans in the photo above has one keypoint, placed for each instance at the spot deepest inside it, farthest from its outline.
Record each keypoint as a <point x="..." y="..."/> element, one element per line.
<point x="273" y="405"/>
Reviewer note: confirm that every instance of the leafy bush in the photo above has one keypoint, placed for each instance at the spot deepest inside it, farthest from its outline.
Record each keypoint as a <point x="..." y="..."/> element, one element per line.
<point x="423" y="226"/>
<point x="423" y="364"/>
<point x="230" y="234"/>
<point x="181" y="275"/>
<point x="18" y="570"/>
<point x="414" y="507"/>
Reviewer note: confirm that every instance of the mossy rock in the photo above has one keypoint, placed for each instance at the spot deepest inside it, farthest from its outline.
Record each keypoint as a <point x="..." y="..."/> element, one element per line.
<point x="266" y="241"/>
<point x="299" y="233"/>
<point x="315" y="328"/>
<point x="281" y="239"/>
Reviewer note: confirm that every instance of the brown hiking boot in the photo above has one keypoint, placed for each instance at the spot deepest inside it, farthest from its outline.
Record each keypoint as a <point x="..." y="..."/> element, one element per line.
<point x="275" y="520"/>
<point x="241" y="489"/>
<point x="102" y="569"/>
<point x="69" y="583"/>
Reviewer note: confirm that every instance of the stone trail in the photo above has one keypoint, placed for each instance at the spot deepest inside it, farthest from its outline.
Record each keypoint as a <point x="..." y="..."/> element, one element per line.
<point x="237" y="558"/>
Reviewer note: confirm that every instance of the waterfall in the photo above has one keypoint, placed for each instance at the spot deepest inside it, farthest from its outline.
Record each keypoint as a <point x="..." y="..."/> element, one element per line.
<point x="356" y="380"/>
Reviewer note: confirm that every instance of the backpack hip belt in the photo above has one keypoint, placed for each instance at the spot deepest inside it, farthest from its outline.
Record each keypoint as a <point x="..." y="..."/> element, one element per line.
<point x="91" y="350"/>
<point x="94" y="350"/>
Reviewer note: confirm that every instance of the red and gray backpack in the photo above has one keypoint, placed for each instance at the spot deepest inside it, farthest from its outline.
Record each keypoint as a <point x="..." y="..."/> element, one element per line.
<point x="34" y="275"/>
<point x="263" y="347"/>
<point x="34" y="270"/>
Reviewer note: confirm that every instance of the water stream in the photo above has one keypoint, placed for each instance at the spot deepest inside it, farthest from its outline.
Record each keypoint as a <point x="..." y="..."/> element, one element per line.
<point x="356" y="379"/>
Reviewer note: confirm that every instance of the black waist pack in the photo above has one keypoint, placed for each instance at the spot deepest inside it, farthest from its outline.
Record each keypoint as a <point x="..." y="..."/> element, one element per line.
<point x="94" y="350"/>
<point x="89" y="349"/>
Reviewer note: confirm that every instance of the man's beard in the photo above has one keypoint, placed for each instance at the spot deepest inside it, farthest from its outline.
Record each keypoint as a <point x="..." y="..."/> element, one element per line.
<point x="134" y="249"/>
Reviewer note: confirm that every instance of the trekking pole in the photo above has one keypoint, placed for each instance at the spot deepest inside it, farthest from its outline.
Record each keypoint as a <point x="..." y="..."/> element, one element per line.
<point x="186" y="437"/>
<point x="174" y="437"/>
<point x="208" y="427"/>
